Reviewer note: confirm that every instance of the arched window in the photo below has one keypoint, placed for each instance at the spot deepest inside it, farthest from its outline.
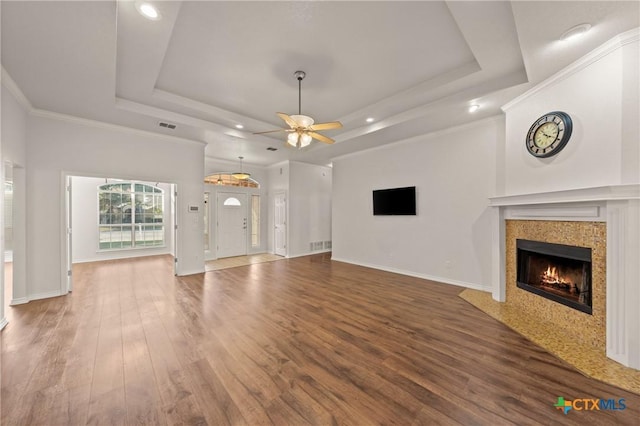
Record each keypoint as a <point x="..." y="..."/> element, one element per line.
<point x="131" y="215"/>
<point x="232" y="201"/>
<point x="226" y="179"/>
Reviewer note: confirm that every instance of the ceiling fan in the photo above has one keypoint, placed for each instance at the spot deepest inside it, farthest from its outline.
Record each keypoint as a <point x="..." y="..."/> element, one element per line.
<point x="302" y="128"/>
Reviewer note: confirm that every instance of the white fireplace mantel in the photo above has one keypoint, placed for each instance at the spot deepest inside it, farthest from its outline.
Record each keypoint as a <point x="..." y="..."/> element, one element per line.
<point x="616" y="205"/>
<point x="600" y="193"/>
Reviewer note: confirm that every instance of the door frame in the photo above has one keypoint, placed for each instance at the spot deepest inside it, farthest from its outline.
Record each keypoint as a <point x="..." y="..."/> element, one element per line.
<point x="286" y="223"/>
<point x="66" y="224"/>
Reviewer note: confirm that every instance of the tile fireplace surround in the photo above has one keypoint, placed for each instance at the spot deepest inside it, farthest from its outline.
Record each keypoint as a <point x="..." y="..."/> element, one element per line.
<point x="585" y="328"/>
<point x="606" y="219"/>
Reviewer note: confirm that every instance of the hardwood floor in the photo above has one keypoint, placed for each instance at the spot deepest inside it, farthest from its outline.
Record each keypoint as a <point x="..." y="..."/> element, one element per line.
<point x="234" y="262"/>
<point x="298" y="341"/>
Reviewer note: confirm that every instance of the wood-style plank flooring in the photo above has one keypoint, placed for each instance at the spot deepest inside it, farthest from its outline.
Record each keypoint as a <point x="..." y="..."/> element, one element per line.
<point x="234" y="262"/>
<point x="294" y="342"/>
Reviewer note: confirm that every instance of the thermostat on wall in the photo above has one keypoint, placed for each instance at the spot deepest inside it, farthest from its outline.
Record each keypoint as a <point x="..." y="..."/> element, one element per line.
<point x="194" y="209"/>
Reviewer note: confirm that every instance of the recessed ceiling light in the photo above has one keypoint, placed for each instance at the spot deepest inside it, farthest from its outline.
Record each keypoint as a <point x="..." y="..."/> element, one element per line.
<point x="575" y="32"/>
<point x="148" y="10"/>
<point x="370" y="120"/>
<point x="474" y="108"/>
<point x="239" y="126"/>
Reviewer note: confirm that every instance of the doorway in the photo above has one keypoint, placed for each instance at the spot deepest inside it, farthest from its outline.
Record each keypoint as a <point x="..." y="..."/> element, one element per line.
<point x="114" y="218"/>
<point x="8" y="235"/>
<point x="232" y="224"/>
<point x="280" y="224"/>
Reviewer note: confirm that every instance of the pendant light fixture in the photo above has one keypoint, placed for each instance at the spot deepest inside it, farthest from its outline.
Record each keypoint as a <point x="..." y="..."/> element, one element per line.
<point x="241" y="175"/>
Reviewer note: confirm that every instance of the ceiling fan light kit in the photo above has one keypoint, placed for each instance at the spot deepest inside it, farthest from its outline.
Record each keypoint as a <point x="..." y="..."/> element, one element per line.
<point x="299" y="140"/>
<point x="303" y="120"/>
<point x="302" y="128"/>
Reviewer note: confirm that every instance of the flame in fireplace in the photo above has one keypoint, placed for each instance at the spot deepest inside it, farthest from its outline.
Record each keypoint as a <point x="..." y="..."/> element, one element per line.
<point x="551" y="276"/>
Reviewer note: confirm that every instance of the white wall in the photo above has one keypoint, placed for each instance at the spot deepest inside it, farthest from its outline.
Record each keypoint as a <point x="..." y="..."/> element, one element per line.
<point x="309" y="208"/>
<point x="630" y="114"/>
<point x="449" y="240"/>
<point x="75" y="147"/>
<point x="14" y="129"/>
<point x="85" y="223"/>
<point x="14" y="151"/>
<point x="600" y="94"/>
<point x="260" y="175"/>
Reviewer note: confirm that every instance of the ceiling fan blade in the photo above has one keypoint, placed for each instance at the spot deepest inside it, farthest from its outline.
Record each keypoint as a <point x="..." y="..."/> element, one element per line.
<point x="326" y="126"/>
<point x="290" y="121"/>
<point x="321" y="138"/>
<point x="272" y="131"/>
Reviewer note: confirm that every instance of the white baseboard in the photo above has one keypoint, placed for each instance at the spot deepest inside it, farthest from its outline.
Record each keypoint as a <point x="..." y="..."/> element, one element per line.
<point x="3" y="323"/>
<point x="19" y="301"/>
<point x="311" y="253"/>
<point x="46" y="295"/>
<point x="124" y="254"/>
<point x="444" y="280"/>
<point x="191" y="272"/>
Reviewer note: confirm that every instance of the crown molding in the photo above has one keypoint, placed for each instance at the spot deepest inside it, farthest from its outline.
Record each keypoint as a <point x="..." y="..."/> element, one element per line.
<point x="233" y="162"/>
<point x="41" y="113"/>
<point x="441" y="80"/>
<point x="590" y="58"/>
<point x="14" y="89"/>
<point x="455" y="100"/>
<point x="426" y="136"/>
<point x="278" y="164"/>
<point x="152" y="111"/>
<point x="217" y="112"/>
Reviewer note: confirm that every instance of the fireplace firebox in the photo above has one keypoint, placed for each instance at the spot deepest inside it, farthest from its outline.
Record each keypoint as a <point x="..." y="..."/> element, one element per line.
<point x="558" y="272"/>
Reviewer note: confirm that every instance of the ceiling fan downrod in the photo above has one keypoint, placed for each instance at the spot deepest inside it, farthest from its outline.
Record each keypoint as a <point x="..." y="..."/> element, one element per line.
<point x="300" y="76"/>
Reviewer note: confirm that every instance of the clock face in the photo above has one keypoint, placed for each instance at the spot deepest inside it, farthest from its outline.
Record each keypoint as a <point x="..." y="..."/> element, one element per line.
<point x="549" y="134"/>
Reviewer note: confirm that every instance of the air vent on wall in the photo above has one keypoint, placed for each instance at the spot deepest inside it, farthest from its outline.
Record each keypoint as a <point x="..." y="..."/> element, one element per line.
<point x="272" y="149"/>
<point x="167" y="125"/>
<point x="316" y="245"/>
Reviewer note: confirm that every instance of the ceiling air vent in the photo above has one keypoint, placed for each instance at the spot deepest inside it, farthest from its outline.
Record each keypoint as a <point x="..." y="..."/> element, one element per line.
<point x="167" y="125"/>
<point x="272" y="149"/>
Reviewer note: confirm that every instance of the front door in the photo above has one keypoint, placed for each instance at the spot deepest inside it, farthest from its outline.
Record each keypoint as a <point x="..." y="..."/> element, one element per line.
<point x="232" y="224"/>
<point x="280" y="223"/>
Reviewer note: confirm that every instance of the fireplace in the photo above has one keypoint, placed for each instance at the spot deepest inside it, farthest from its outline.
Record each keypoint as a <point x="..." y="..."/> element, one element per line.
<point x="557" y="272"/>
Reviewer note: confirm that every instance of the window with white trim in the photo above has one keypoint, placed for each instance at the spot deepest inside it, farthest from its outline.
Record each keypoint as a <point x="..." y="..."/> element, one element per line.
<point x="255" y="220"/>
<point x="131" y="215"/>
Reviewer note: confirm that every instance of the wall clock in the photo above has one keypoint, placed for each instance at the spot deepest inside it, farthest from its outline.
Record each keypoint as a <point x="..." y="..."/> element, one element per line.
<point x="549" y="134"/>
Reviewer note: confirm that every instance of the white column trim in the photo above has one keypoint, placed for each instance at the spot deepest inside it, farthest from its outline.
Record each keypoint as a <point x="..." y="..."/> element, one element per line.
<point x="498" y="261"/>
<point x="623" y="286"/>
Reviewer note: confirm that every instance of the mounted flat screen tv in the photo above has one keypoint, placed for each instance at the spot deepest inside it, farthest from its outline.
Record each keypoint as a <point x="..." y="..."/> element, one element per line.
<point x="395" y="202"/>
